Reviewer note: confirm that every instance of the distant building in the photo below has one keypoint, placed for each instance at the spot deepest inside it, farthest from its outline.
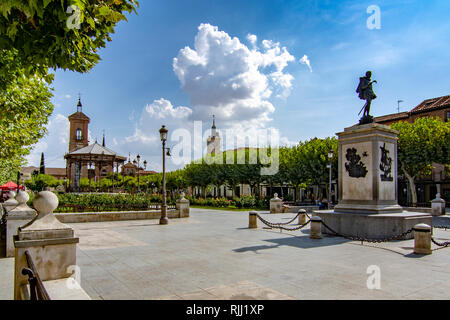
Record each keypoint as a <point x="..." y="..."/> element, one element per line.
<point x="58" y="173"/>
<point x="435" y="107"/>
<point x="213" y="143"/>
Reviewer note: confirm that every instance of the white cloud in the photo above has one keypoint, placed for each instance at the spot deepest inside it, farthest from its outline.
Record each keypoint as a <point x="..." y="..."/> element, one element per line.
<point x="305" y="60"/>
<point x="67" y="96"/>
<point x="224" y="77"/>
<point x="252" y="39"/>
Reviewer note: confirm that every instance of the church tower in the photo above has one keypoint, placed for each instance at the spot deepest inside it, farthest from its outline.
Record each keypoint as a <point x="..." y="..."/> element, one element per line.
<point x="213" y="143"/>
<point x="78" y="129"/>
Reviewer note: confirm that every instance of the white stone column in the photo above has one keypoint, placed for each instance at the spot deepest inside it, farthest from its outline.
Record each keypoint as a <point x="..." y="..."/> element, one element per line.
<point x="275" y="204"/>
<point x="51" y="244"/>
<point x="16" y="217"/>
<point x="438" y="206"/>
<point x="182" y="206"/>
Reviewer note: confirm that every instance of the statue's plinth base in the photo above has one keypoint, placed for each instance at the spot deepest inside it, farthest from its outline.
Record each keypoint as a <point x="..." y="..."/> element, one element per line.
<point x="366" y="119"/>
<point x="372" y="226"/>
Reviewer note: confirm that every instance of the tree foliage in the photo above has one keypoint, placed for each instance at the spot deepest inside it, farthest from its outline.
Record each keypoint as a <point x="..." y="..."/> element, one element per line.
<point x="59" y="34"/>
<point x="419" y="145"/>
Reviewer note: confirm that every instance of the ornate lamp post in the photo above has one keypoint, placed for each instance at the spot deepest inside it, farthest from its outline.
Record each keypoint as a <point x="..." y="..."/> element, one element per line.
<point x="137" y="162"/>
<point x="163" y="135"/>
<point x="330" y="157"/>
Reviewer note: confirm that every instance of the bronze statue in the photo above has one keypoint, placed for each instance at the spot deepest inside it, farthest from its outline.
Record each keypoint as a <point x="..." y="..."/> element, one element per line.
<point x="365" y="92"/>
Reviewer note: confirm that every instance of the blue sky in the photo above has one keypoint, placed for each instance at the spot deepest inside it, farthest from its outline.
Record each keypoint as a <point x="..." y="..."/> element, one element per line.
<point x="409" y="56"/>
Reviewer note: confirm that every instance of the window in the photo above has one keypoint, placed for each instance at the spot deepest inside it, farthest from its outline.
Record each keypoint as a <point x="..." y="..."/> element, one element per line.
<point x="79" y="136"/>
<point x="448" y="117"/>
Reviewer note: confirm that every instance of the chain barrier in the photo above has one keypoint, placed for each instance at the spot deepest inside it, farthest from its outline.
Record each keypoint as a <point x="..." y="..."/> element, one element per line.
<point x="280" y="225"/>
<point x="362" y="239"/>
<point x="440" y="244"/>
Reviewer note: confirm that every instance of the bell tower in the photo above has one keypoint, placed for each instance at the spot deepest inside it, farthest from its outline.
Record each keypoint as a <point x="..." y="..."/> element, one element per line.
<point x="213" y="143"/>
<point x="78" y="136"/>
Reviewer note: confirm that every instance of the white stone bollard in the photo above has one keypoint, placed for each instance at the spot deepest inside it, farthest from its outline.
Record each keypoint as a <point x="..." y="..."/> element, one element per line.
<point x="253" y="220"/>
<point x="50" y="243"/>
<point x="182" y="206"/>
<point x="17" y="217"/>
<point x="422" y="239"/>
<point x="316" y="228"/>
<point x="438" y="206"/>
<point x="301" y="216"/>
<point x="11" y="202"/>
<point x="275" y="204"/>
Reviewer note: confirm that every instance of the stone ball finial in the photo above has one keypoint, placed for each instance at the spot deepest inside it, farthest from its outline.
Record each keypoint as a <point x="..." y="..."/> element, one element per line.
<point x="11" y="194"/>
<point x="45" y="202"/>
<point x="275" y="195"/>
<point x="22" y="197"/>
<point x="182" y="194"/>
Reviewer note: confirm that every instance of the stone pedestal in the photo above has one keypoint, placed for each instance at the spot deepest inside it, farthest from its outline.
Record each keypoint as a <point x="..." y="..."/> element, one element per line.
<point x="51" y="244"/>
<point x="182" y="206"/>
<point x="17" y="217"/>
<point x="276" y="204"/>
<point x="368" y="169"/>
<point x="438" y="206"/>
<point x="367" y="181"/>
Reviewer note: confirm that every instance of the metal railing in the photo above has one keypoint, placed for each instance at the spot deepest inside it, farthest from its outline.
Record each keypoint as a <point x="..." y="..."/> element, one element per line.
<point x="37" y="289"/>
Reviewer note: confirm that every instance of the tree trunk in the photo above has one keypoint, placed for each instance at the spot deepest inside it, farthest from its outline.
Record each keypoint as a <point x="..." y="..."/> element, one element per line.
<point x="412" y="187"/>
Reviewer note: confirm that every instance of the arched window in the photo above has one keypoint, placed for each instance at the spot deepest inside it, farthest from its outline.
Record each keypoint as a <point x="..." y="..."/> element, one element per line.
<point x="79" y="136"/>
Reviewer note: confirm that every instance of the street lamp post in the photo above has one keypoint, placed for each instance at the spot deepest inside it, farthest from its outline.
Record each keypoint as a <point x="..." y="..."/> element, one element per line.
<point x="163" y="135"/>
<point x="330" y="157"/>
<point x="138" y="164"/>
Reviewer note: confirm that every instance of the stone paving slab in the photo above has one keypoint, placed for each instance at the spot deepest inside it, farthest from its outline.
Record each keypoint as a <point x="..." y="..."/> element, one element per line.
<point x="213" y="255"/>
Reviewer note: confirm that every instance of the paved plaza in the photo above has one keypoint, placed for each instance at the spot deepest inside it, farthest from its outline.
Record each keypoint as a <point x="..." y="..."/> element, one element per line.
<point x="213" y="255"/>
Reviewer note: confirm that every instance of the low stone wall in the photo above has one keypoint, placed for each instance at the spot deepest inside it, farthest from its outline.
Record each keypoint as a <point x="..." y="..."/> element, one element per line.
<point x="421" y="209"/>
<point x="115" y="216"/>
<point x="294" y="209"/>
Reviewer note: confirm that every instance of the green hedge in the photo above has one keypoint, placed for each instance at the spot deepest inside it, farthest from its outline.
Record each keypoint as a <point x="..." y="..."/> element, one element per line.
<point x="107" y="202"/>
<point x="118" y="202"/>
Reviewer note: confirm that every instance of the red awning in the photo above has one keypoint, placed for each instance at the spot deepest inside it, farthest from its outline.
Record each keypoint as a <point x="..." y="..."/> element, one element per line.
<point x="10" y="186"/>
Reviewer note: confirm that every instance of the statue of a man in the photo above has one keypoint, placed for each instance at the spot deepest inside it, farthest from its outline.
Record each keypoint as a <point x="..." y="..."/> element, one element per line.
<point x="365" y="92"/>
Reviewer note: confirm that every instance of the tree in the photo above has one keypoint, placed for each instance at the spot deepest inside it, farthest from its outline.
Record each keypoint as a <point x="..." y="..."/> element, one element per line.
<point x="42" y="166"/>
<point x="59" y="33"/>
<point x="41" y="181"/>
<point x="25" y="107"/>
<point x="419" y="145"/>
